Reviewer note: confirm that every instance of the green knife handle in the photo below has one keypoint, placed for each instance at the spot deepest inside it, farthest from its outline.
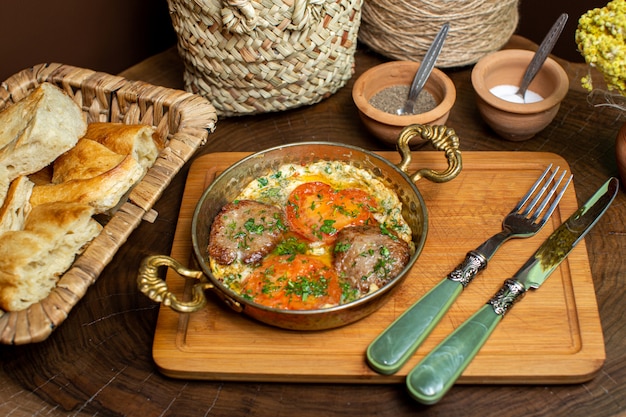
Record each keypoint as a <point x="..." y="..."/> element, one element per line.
<point x="438" y="371"/>
<point x="397" y="343"/>
<point x="429" y="381"/>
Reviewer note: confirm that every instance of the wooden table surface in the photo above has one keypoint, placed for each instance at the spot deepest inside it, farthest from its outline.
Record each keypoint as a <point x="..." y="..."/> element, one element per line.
<point x="99" y="361"/>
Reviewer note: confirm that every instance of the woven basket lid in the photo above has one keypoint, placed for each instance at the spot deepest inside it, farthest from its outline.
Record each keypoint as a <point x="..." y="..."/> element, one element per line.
<point x="403" y="30"/>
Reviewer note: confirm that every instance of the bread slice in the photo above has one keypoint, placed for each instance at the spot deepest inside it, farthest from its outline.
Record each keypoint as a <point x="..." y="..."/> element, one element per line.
<point x="4" y="183"/>
<point x="16" y="206"/>
<point x="140" y="141"/>
<point x="37" y="129"/>
<point x="86" y="160"/>
<point x="102" y="192"/>
<point x="32" y="260"/>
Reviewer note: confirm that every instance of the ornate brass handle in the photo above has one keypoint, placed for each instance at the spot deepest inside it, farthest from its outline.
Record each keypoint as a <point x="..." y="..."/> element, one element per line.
<point x="443" y="139"/>
<point x="156" y="289"/>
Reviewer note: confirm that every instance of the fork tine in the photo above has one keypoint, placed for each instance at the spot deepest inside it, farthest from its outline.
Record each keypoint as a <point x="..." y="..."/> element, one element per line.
<point x="546" y="200"/>
<point x="536" y="196"/>
<point x="530" y="192"/>
<point x="532" y="204"/>
<point x="556" y="199"/>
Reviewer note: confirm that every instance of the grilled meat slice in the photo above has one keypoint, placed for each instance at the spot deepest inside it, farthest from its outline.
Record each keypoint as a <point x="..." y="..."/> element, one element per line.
<point x="367" y="256"/>
<point x="246" y="230"/>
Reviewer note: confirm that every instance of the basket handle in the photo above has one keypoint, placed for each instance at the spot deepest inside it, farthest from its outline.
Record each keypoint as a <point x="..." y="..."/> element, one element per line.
<point x="239" y="16"/>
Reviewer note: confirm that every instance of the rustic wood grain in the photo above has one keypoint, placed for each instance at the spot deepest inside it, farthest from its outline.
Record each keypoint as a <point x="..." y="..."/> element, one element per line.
<point x="99" y="362"/>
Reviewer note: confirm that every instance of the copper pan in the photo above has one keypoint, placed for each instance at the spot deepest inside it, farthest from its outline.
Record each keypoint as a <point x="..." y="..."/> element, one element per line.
<point x="227" y="185"/>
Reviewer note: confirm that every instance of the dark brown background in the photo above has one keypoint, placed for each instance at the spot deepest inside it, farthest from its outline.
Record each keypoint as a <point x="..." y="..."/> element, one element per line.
<point x="111" y="35"/>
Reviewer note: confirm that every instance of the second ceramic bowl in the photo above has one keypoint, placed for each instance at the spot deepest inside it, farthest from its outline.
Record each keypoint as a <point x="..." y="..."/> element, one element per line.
<point x="518" y="121"/>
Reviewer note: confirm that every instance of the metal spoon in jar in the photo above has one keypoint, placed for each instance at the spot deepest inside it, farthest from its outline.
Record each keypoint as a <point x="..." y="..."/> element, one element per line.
<point x="542" y="53"/>
<point x="424" y="70"/>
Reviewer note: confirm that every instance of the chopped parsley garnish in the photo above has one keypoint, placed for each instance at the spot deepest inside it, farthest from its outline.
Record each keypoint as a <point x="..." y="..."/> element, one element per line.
<point x="385" y="231"/>
<point x="271" y="193"/>
<point x="291" y="246"/>
<point x="348" y="213"/>
<point x="348" y="293"/>
<point x="327" y="227"/>
<point x="304" y="287"/>
<point x="385" y="262"/>
<point x="342" y="246"/>
<point x="253" y="227"/>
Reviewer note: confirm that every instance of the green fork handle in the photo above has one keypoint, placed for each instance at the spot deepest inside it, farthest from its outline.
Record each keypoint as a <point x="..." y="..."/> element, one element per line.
<point x="429" y="381"/>
<point x="397" y="343"/>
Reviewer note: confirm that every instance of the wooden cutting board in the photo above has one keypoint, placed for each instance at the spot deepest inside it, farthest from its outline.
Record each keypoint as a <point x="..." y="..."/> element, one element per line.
<point x="552" y="336"/>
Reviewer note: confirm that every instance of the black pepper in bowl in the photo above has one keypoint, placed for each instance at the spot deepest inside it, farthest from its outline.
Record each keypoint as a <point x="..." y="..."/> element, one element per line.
<point x="392" y="98"/>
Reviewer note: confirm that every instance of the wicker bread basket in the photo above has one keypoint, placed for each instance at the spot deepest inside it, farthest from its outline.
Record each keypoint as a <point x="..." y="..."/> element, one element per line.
<point x="182" y="119"/>
<point x="257" y="56"/>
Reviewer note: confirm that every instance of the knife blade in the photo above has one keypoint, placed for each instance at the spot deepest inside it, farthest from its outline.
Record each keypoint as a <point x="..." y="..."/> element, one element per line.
<point x="435" y="374"/>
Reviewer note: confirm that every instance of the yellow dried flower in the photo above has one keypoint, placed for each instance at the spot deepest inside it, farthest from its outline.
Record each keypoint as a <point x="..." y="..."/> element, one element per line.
<point x="600" y="39"/>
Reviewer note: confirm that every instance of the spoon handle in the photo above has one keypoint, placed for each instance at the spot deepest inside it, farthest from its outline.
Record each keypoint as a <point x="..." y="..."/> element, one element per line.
<point x="542" y="53"/>
<point x="426" y="67"/>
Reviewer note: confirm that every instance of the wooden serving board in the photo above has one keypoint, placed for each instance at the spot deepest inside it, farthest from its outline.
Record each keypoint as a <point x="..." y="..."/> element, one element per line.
<point x="552" y="336"/>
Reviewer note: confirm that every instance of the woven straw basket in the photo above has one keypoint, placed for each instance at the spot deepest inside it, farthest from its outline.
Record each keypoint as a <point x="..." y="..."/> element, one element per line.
<point x="257" y="56"/>
<point x="403" y="30"/>
<point x="182" y="119"/>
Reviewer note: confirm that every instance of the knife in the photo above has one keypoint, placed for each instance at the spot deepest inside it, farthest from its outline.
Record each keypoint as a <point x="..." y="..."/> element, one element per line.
<point x="436" y="373"/>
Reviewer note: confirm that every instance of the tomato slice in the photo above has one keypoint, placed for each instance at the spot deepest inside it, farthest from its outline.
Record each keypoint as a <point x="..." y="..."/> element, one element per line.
<point x="293" y="282"/>
<point x="317" y="212"/>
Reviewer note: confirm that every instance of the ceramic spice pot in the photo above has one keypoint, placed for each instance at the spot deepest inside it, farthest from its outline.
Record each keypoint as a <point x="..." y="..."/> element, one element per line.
<point x="387" y="126"/>
<point x="512" y="120"/>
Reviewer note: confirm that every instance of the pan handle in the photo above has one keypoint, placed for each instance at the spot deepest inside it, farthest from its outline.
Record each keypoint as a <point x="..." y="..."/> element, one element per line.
<point x="156" y="288"/>
<point x="443" y="139"/>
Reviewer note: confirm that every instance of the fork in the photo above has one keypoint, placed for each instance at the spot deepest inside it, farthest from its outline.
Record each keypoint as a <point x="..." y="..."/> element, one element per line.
<point x="397" y="343"/>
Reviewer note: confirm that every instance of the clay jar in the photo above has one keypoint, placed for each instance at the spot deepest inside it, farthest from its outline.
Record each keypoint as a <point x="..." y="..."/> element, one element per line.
<point x="387" y="126"/>
<point x="518" y="121"/>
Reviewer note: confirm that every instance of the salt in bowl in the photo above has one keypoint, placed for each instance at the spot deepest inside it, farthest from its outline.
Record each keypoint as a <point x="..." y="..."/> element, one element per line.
<point x="517" y="121"/>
